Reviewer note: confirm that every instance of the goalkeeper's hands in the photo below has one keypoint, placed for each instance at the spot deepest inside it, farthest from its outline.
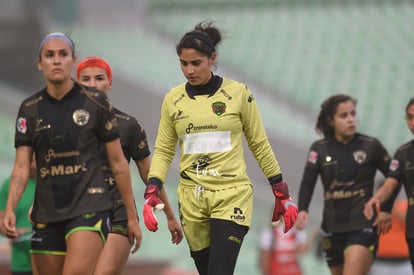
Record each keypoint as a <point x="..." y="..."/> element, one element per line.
<point x="152" y="203"/>
<point x="284" y="208"/>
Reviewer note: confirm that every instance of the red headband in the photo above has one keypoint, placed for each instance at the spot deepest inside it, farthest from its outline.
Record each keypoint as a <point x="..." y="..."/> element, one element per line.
<point x="94" y="61"/>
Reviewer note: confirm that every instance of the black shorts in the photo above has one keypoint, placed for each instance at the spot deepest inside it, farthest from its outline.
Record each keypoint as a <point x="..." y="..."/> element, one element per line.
<point x="118" y="211"/>
<point x="119" y="217"/>
<point x="51" y="238"/>
<point x="334" y="244"/>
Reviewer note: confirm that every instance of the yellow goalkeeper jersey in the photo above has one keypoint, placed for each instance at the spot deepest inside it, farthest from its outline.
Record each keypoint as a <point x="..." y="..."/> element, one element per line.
<point x="209" y="130"/>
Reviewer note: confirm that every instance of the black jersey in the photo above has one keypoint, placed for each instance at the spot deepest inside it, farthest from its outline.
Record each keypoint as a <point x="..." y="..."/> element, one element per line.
<point x="66" y="135"/>
<point x="402" y="169"/>
<point x="134" y="145"/>
<point x="347" y="173"/>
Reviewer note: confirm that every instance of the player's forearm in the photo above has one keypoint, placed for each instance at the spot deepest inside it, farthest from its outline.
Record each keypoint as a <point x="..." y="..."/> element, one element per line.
<point x="123" y="179"/>
<point x="386" y="190"/>
<point x="18" y="184"/>
<point x="168" y="210"/>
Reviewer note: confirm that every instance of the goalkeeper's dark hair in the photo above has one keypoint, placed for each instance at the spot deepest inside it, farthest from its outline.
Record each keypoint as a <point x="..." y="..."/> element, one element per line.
<point x="204" y="38"/>
<point x="328" y="110"/>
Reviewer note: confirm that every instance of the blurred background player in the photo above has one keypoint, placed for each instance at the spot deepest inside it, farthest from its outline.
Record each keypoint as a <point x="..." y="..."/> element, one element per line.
<point x="20" y="247"/>
<point x="279" y="252"/>
<point x="347" y="162"/>
<point x="96" y="72"/>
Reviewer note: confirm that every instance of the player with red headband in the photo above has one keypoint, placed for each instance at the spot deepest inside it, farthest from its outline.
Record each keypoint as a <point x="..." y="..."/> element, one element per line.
<point x="97" y="73"/>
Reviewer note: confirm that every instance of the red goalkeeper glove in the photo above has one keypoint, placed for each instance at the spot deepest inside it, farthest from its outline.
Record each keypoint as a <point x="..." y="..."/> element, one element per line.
<point x="152" y="202"/>
<point x="284" y="207"/>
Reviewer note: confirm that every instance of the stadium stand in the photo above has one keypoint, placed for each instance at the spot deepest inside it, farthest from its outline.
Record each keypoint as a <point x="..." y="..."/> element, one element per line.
<point x="307" y="50"/>
<point x="21" y="23"/>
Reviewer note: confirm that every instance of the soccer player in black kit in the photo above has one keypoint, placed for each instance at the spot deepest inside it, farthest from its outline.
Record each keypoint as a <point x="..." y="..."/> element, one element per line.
<point x="346" y="162"/>
<point x="401" y="172"/>
<point x="94" y="71"/>
<point x="65" y="124"/>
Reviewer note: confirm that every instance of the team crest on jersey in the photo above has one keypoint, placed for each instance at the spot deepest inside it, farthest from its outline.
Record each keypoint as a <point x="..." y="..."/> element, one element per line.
<point x="21" y="125"/>
<point x="394" y="165"/>
<point x="80" y="117"/>
<point x="360" y="156"/>
<point x="219" y="108"/>
<point x="313" y="157"/>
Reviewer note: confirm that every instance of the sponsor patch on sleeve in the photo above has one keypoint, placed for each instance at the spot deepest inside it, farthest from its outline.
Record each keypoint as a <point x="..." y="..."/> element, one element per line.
<point x="394" y="165"/>
<point x="21" y="125"/>
<point x="313" y="157"/>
